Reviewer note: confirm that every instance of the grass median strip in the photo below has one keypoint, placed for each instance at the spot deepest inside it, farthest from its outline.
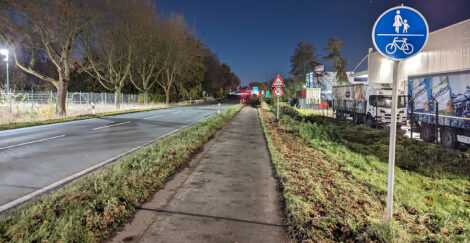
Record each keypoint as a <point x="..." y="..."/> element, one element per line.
<point x="334" y="178"/>
<point x="76" y="118"/>
<point x="91" y="207"/>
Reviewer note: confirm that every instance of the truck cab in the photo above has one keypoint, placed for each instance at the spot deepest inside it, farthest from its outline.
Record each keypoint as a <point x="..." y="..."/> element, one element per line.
<point x="369" y="104"/>
<point x="379" y="107"/>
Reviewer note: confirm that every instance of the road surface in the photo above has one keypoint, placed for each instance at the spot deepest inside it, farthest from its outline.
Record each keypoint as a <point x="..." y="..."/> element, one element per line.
<point x="37" y="157"/>
<point x="228" y="194"/>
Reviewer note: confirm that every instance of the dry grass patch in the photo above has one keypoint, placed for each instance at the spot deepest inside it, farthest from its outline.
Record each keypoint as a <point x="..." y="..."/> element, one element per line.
<point x="323" y="201"/>
<point x="334" y="176"/>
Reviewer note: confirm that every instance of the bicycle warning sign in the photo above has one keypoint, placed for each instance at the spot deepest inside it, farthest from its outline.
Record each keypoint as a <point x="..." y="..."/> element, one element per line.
<point x="400" y="33"/>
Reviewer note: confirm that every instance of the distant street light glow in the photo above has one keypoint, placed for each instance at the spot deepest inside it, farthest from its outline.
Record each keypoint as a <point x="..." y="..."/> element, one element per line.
<point x="5" y="53"/>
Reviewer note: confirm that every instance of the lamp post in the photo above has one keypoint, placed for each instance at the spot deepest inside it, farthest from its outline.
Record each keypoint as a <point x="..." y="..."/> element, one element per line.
<point x="5" y="53"/>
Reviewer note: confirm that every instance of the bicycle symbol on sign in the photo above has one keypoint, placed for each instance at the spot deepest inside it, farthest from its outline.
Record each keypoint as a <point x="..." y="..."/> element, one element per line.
<point x="391" y="48"/>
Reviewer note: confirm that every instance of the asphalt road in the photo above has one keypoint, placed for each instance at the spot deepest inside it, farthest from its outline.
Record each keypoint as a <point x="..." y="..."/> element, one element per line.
<point x="37" y="157"/>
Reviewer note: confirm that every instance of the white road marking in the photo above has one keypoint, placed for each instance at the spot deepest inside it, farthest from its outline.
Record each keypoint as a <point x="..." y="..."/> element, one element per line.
<point x="84" y="172"/>
<point x="117" y="124"/>
<point x="152" y="117"/>
<point x="36" y="141"/>
<point x="176" y="112"/>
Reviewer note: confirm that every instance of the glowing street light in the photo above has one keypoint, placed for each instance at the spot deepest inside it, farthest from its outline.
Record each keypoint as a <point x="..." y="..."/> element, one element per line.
<point x="5" y="53"/>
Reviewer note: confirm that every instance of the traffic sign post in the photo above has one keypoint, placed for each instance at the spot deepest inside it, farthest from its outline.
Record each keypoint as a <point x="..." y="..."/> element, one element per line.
<point x="278" y="92"/>
<point x="399" y="33"/>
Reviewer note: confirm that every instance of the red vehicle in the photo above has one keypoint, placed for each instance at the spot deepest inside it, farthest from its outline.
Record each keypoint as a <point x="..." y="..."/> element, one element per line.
<point x="248" y="98"/>
<point x="323" y="104"/>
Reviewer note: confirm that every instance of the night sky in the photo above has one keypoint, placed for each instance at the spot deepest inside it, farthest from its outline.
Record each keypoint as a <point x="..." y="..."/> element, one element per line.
<point x="257" y="38"/>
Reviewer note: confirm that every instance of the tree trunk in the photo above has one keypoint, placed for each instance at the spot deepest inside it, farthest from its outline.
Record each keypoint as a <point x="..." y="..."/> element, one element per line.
<point x="167" y="96"/>
<point x="62" y="86"/>
<point x="146" y="95"/>
<point x="177" y="93"/>
<point x="117" y="97"/>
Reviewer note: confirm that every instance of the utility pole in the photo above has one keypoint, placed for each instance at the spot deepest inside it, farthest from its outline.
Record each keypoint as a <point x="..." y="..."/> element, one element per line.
<point x="8" y="77"/>
<point x="5" y="52"/>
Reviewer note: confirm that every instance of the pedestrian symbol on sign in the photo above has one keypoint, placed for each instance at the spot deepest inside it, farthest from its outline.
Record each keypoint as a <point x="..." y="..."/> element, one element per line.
<point x="398" y="22"/>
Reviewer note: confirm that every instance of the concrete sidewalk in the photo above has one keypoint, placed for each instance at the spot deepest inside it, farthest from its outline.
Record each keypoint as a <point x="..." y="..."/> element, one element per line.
<point x="228" y="194"/>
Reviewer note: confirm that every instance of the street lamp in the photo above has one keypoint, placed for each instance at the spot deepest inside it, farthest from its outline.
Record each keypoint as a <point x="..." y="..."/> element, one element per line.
<point x="5" y="53"/>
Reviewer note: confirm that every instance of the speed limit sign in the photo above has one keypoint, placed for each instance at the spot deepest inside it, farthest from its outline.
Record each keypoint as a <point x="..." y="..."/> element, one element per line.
<point x="278" y="91"/>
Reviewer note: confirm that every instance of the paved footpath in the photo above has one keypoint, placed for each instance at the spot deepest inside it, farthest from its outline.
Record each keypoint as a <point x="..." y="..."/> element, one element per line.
<point x="228" y="194"/>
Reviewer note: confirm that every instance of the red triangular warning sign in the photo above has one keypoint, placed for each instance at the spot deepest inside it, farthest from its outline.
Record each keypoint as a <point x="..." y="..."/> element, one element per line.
<point x="278" y="82"/>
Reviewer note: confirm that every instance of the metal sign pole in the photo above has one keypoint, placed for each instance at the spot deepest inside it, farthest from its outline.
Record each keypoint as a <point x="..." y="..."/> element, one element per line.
<point x="407" y="26"/>
<point x="393" y="135"/>
<point x="277" y="115"/>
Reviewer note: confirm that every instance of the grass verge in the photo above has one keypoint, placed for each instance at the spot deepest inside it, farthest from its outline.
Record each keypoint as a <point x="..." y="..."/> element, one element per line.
<point x="334" y="178"/>
<point x="91" y="207"/>
<point x="75" y="118"/>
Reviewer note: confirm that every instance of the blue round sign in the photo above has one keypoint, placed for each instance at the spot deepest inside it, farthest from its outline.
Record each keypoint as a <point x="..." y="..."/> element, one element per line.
<point x="400" y="33"/>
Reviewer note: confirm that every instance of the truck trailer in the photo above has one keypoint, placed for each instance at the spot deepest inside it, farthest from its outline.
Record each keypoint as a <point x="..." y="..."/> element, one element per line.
<point x="368" y="104"/>
<point x="439" y="104"/>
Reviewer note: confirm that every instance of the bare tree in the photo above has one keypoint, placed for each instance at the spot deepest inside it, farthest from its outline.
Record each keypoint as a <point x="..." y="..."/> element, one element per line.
<point x="191" y="72"/>
<point x="188" y="83"/>
<point x="46" y="30"/>
<point x="179" y="51"/>
<point x="148" y="64"/>
<point x="109" y="46"/>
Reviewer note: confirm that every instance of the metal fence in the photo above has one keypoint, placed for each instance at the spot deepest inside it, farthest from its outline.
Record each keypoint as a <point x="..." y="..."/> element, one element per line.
<point x="81" y="98"/>
<point x="324" y="108"/>
<point x="319" y="107"/>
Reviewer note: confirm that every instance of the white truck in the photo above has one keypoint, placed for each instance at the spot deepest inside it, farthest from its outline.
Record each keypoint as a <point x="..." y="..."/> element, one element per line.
<point x="368" y="104"/>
